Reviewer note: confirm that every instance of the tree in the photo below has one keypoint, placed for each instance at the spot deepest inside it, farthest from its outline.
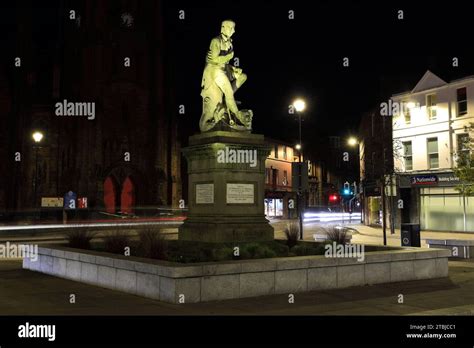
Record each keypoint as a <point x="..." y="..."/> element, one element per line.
<point x="465" y="163"/>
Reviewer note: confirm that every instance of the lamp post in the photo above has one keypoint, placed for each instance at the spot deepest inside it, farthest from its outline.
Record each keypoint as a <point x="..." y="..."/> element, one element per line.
<point x="299" y="106"/>
<point x="354" y="142"/>
<point x="37" y="137"/>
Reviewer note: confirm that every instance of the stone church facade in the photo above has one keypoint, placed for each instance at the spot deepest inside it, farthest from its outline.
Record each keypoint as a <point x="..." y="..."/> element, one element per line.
<point x="109" y="53"/>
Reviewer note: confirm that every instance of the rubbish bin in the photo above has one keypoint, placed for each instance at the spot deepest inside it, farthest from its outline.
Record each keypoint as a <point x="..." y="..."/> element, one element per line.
<point x="410" y="234"/>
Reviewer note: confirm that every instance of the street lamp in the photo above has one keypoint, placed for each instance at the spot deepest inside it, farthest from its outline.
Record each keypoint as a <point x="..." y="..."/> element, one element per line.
<point x="300" y="106"/>
<point x="352" y="141"/>
<point x="37" y="137"/>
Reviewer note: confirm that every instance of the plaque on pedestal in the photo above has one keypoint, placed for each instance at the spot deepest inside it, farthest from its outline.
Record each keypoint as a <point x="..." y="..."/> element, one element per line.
<point x="240" y="193"/>
<point x="204" y="193"/>
<point x="226" y="196"/>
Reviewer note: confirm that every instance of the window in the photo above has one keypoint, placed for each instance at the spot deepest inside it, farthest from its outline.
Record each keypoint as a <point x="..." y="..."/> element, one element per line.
<point x="407" y="113"/>
<point x="276" y="151"/>
<point x="433" y="156"/>
<point x="431" y="106"/>
<point x="461" y="97"/>
<point x="463" y="148"/>
<point x="274" y="177"/>
<point x="408" y="155"/>
<point x="285" y="178"/>
<point x="267" y="175"/>
<point x="284" y="153"/>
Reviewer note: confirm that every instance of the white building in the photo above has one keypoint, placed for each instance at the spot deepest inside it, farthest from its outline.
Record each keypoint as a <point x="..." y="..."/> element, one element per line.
<point x="429" y="132"/>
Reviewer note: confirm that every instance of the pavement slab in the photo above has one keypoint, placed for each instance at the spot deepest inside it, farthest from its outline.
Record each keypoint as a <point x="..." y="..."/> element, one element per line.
<point x="24" y="292"/>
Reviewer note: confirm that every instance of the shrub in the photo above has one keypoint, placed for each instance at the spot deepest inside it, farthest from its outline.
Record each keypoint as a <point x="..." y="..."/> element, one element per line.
<point x="264" y="252"/>
<point x="152" y="244"/>
<point x="281" y="250"/>
<point x="80" y="238"/>
<point x="292" y="232"/>
<point x="337" y="234"/>
<point x="304" y="250"/>
<point x="256" y="251"/>
<point x="222" y="254"/>
<point x="116" y="242"/>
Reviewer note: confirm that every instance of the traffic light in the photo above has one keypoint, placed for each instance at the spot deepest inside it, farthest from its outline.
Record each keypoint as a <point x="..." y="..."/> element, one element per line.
<point x="333" y="198"/>
<point x="347" y="189"/>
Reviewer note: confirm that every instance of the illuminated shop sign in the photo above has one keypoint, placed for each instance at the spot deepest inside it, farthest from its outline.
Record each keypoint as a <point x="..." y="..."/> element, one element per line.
<point x="440" y="179"/>
<point x="424" y="180"/>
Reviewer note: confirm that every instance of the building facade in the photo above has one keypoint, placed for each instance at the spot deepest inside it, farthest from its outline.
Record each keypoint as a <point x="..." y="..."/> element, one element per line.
<point x="278" y="180"/>
<point x="376" y="161"/>
<point x="109" y="54"/>
<point x="429" y="133"/>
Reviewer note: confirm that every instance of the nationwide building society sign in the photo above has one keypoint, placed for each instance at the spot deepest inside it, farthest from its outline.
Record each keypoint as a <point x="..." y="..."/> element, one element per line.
<point x="442" y="179"/>
<point x="424" y="180"/>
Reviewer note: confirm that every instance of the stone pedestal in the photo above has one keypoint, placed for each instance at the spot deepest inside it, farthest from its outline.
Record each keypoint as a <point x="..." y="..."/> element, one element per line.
<point x="226" y="177"/>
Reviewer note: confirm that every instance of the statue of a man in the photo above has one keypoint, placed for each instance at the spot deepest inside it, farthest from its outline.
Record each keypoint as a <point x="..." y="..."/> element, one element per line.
<point x="220" y="80"/>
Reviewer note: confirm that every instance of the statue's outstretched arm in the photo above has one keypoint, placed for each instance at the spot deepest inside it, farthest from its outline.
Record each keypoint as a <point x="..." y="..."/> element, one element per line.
<point x="215" y="50"/>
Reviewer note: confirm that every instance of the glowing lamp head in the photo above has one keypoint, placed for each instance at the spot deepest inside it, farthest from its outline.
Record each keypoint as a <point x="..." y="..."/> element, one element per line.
<point x="298" y="147"/>
<point x="37" y="137"/>
<point x="352" y="141"/>
<point x="299" y="105"/>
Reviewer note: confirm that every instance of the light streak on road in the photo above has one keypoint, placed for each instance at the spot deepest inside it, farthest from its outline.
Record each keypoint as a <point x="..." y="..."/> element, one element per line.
<point x="72" y="225"/>
<point x="327" y="217"/>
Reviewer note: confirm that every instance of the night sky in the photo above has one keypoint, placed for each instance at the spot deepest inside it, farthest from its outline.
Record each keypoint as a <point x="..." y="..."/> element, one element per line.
<point x="303" y="57"/>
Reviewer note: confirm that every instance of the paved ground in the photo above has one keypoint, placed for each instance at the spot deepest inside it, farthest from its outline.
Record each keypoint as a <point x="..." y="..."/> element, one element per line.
<point x="23" y="292"/>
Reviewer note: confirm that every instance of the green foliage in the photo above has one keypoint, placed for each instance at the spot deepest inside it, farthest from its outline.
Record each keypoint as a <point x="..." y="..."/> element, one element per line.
<point x="183" y="251"/>
<point x="256" y="251"/>
<point x="222" y="254"/>
<point x="80" y="238"/>
<point x="152" y="244"/>
<point x="116" y="242"/>
<point x="465" y="166"/>
<point x="305" y="249"/>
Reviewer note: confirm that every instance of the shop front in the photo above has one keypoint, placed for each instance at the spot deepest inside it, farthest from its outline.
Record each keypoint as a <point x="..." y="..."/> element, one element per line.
<point x="278" y="205"/>
<point x="441" y="207"/>
<point x="274" y="207"/>
<point x="372" y="203"/>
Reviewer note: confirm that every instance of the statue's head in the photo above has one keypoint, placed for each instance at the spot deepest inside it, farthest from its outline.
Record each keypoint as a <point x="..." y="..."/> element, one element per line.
<point x="228" y="28"/>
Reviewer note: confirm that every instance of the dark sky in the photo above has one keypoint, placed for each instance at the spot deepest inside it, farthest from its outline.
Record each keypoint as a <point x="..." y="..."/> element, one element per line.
<point x="303" y="57"/>
<point x="286" y="58"/>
